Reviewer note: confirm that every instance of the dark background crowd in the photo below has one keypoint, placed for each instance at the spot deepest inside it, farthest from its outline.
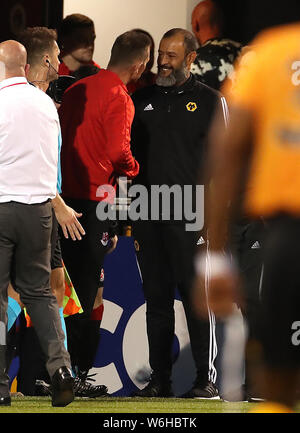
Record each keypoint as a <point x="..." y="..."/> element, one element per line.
<point x="243" y="19"/>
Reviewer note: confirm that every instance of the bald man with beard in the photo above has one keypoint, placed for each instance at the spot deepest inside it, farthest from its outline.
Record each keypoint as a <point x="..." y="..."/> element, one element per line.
<point x="29" y="132"/>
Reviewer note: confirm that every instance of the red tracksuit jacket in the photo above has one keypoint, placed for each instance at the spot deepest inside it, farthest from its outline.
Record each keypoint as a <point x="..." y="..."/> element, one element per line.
<point x="96" y="116"/>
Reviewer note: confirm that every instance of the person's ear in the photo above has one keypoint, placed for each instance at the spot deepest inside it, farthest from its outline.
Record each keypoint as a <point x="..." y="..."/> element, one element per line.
<point x="46" y="61"/>
<point x="190" y="58"/>
<point x="196" y="29"/>
<point x="27" y="67"/>
<point x="134" y="70"/>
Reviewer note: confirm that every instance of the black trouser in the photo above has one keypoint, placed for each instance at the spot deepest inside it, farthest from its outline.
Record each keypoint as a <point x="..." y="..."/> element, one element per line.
<point x="84" y="260"/>
<point x="165" y="256"/>
<point x="247" y="242"/>
<point x="25" y="261"/>
<point x="31" y="357"/>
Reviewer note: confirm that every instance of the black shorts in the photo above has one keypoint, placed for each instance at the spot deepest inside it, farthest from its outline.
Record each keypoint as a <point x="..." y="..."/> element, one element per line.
<point x="56" y="258"/>
<point x="279" y="321"/>
<point x="84" y="259"/>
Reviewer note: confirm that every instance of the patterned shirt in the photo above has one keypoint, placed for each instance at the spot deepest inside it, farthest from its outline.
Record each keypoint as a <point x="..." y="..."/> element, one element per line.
<point x="214" y="61"/>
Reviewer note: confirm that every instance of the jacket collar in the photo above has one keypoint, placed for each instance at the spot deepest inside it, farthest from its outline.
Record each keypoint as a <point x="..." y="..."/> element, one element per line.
<point x="12" y="81"/>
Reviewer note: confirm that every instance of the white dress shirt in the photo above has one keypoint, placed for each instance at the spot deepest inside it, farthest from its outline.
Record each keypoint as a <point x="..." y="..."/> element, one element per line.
<point x="29" y="131"/>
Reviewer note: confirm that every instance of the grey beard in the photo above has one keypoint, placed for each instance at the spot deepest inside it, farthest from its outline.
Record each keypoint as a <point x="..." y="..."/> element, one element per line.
<point x="175" y="77"/>
<point x="166" y="81"/>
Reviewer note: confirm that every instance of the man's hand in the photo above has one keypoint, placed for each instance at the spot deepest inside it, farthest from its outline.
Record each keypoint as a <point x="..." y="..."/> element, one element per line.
<point x="221" y="295"/>
<point x="113" y="244"/>
<point x="67" y="218"/>
<point x="13" y="294"/>
<point x="219" y="290"/>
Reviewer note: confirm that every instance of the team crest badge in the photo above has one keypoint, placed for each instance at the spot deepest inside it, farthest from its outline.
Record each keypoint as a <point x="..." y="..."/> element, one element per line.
<point x="191" y="106"/>
<point x="105" y="239"/>
<point x="102" y="276"/>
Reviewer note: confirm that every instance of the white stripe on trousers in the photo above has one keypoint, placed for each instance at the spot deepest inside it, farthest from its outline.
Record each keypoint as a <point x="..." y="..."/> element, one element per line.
<point x="213" y="349"/>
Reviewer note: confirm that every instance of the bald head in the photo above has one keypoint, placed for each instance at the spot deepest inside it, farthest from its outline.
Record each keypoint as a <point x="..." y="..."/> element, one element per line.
<point x="206" y="21"/>
<point x="13" y="59"/>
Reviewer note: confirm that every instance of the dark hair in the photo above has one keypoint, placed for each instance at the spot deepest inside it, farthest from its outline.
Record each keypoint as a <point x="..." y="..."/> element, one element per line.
<point x="75" y="29"/>
<point x="129" y="47"/>
<point x="37" y="41"/>
<point x="190" y="42"/>
<point x="152" y="48"/>
<point x="72" y="23"/>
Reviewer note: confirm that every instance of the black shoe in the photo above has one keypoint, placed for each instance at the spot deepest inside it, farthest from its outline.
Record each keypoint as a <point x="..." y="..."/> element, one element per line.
<point x="5" y="401"/>
<point x="83" y="388"/>
<point x="155" y="388"/>
<point x="62" y="387"/>
<point x="208" y="390"/>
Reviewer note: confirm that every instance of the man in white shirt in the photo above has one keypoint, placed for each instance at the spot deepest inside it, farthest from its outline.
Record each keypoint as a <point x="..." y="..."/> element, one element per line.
<point x="29" y="131"/>
<point x="43" y="58"/>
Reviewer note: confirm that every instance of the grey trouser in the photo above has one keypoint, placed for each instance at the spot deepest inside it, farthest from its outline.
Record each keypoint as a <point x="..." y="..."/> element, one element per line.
<point x="25" y="249"/>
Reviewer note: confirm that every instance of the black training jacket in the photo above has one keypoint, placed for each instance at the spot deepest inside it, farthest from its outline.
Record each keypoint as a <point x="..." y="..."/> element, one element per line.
<point x="169" y="131"/>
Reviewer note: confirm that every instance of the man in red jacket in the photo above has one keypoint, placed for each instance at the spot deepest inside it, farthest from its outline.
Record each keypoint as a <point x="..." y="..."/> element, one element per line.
<point x="96" y="116"/>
